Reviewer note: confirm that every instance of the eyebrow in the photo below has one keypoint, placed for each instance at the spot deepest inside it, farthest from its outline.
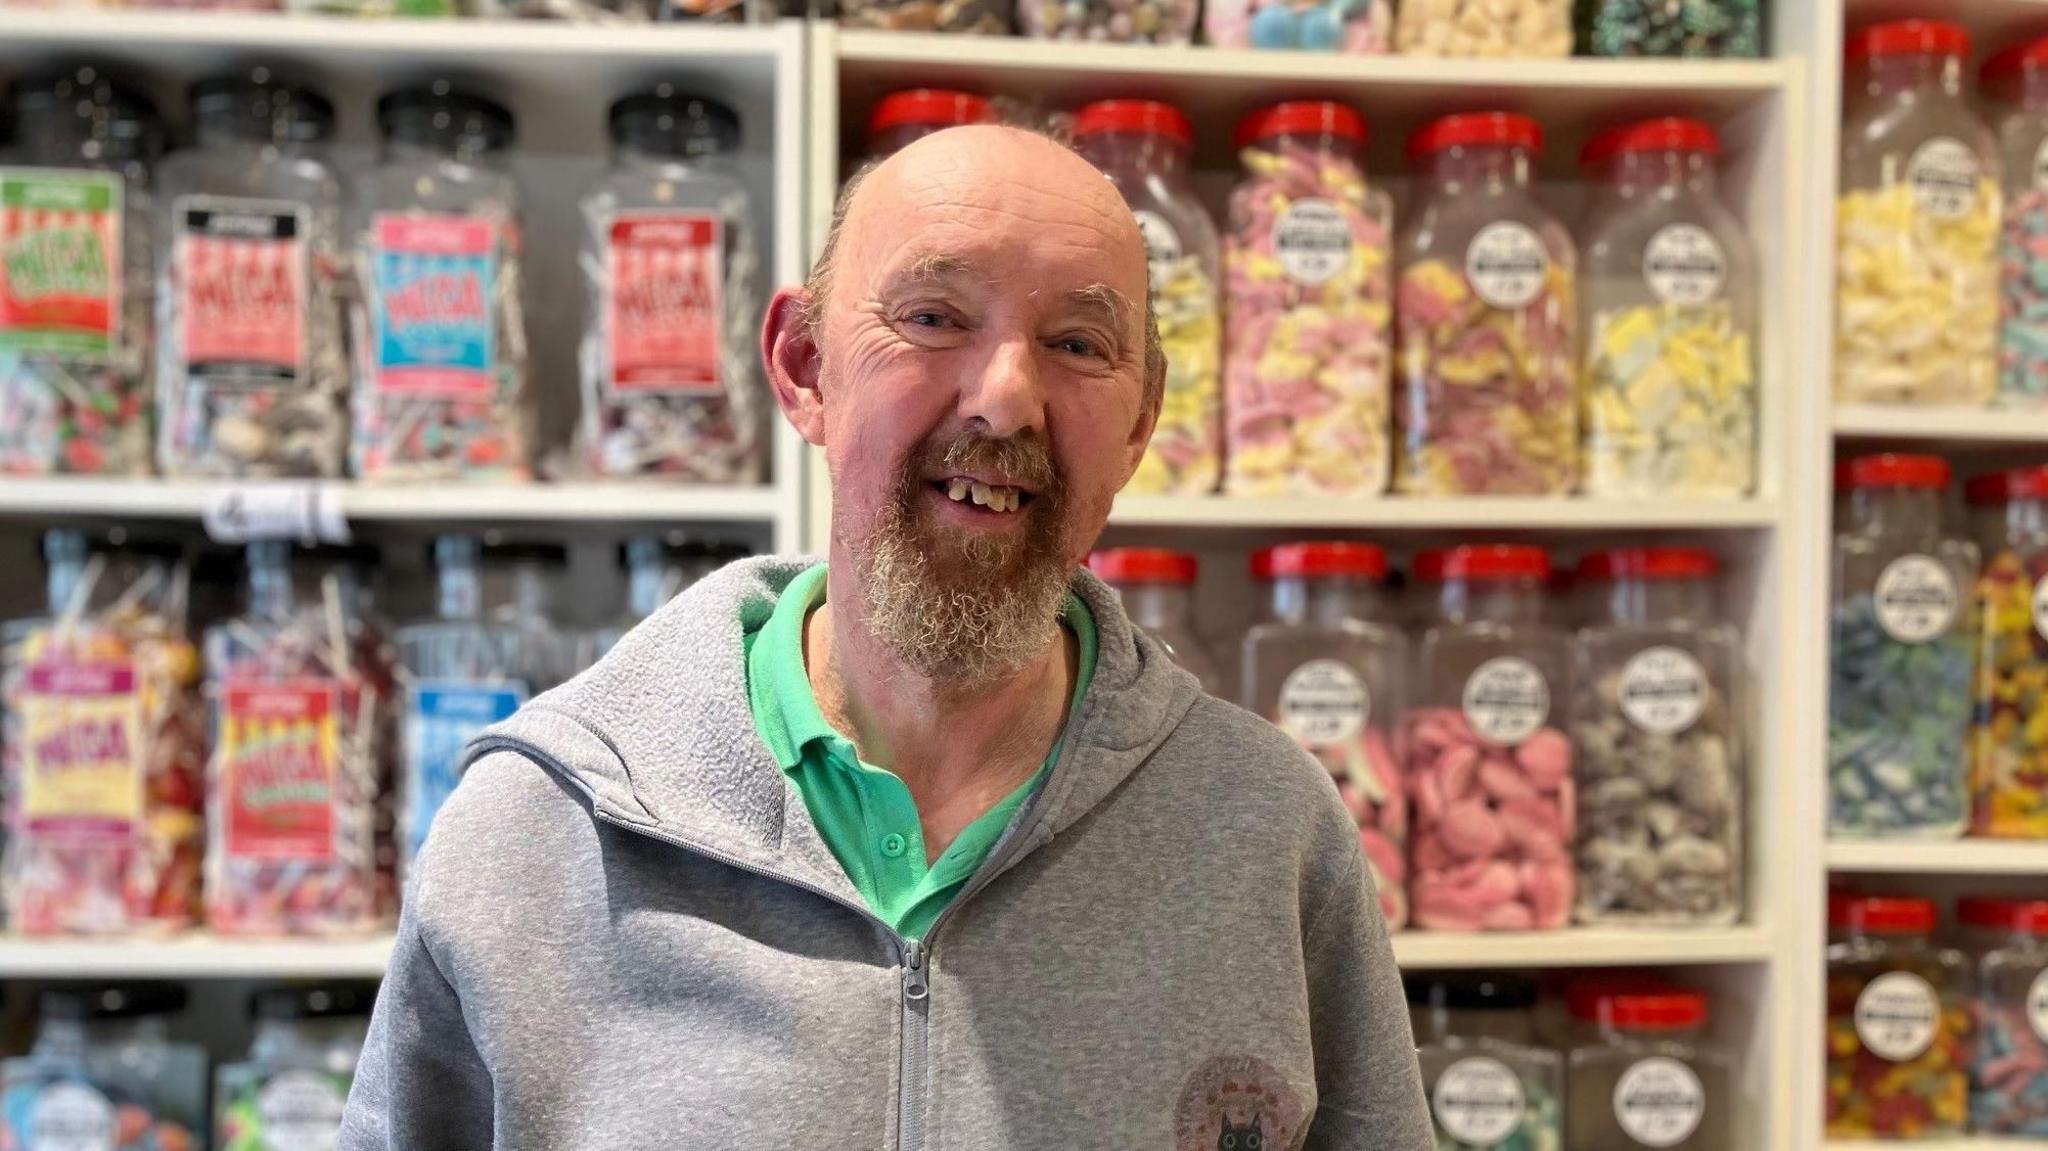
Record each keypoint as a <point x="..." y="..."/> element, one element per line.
<point x="1103" y="298"/>
<point x="929" y="267"/>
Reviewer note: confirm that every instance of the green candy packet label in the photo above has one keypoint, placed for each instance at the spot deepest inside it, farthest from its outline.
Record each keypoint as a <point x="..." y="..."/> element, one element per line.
<point x="60" y="262"/>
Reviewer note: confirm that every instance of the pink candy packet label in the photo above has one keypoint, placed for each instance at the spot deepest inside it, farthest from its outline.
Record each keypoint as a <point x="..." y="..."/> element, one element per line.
<point x="243" y="265"/>
<point x="664" y="280"/>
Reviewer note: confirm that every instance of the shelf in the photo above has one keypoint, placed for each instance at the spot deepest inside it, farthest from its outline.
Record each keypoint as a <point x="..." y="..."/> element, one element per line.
<point x="1393" y="512"/>
<point x="1948" y="857"/>
<point x="622" y="503"/>
<point x="198" y="957"/>
<point x="1967" y="1143"/>
<point x="1583" y="947"/>
<point x="1943" y="425"/>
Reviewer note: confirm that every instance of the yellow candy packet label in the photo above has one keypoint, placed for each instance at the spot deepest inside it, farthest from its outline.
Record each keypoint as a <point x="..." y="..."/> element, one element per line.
<point x="82" y="752"/>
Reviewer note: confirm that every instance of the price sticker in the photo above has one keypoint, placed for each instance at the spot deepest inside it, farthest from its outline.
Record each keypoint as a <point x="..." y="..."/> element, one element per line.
<point x="239" y="513"/>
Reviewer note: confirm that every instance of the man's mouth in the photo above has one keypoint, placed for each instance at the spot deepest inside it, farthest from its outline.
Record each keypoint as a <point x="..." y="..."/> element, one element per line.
<point x="999" y="498"/>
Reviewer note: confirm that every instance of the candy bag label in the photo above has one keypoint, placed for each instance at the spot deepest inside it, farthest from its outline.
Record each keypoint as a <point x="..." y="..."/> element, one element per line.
<point x="69" y="1117"/>
<point x="1506" y="263"/>
<point x="279" y="754"/>
<point x="1659" y="1102"/>
<point x="1323" y="702"/>
<point x="1944" y="175"/>
<point x="1313" y="241"/>
<point x="664" y="274"/>
<point x="1506" y="700"/>
<point x="434" y="277"/>
<point x="1916" y="598"/>
<point x="243" y="290"/>
<point x="300" y="1111"/>
<point x="1163" y="249"/>
<point x="440" y="720"/>
<point x="2037" y="1005"/>
<point x="60" y="263"/>
<point x="1896" y="1016"/>
<point x="81" y="753"/>
<point x="1663" y="690"/>
<point x="1478" y="1101"/>
<point x="1683" y="264"/>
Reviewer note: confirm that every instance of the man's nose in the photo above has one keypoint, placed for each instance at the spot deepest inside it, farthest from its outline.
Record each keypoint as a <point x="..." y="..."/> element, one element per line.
<point x="1007" y="396"/>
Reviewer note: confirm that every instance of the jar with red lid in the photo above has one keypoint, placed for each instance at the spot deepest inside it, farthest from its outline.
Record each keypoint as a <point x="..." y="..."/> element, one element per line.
<point x="2009" y="739"/>
<point x="1902" y="649"/>
<point x="2009" y="1076"/>
<point x="1657" y="679"/>
<point x="1489" y="769"/>
<point x="1916" y="223"/>
<point x="1157" y="587"/>
<point x="1143" y="146"/>
<point x="1328" y="668"/>
<point x="1647" y="1074"/>
<point x="1485" y="316"/>
<point x="914" y="113"/>
<point x="2015" y="84"/>
<point x="1899" y="1030"/>
<point x="1310" y="334"/>
<point x="1669" y="314"/>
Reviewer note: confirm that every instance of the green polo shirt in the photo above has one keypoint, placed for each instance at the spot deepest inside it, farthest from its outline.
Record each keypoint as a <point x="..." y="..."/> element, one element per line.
<point x="865" y="813"/>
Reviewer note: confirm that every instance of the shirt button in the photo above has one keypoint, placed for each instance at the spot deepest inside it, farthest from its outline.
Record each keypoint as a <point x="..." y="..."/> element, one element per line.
<point x="892" y="845"/>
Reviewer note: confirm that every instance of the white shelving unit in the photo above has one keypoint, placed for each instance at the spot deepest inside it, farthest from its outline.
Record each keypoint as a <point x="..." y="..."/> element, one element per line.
<point x="1989" y="857"/>
<point x="1974" y="1144"/>
<point x="1963" y="427"/>
<point x="194" y="957"/>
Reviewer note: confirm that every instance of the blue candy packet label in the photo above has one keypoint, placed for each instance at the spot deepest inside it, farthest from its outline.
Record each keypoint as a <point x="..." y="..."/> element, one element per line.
<point x="441" y="717"/>
<point x="434" y="278"/>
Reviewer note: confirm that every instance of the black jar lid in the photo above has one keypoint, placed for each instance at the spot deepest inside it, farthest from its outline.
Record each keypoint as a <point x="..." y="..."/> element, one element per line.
<point x="70" y="112"/>
<point x="445" y="117"/>
<point x="257" y="105"/>
<point x="314" y="1001"/>
<point x="1478" y="991"/>
<point x="99" y="1002"/>
<point x="666" y="121"/>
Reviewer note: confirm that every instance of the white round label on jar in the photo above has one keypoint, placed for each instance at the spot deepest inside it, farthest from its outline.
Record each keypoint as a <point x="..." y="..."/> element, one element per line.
<point x="1659" y="1102"/>
<point x="1916" y="598"/>
<point x="1944" y="173"/>
<point x="1684" y="265"/>
<point x="2037" y="1005"/>
<point x="1896" y="1016"/>
<point x="1506" y="700"/>
<point x="301" y="1109"/>
<point x="2041" y="166"/>
<point x="2041" y="607"/>
<point x="1478" y="1101"/>
<point x="1663" y="690"/>
<point x="1323" y="702"/>
<point x="1313" y="240"/>
<point x="1162" y="246"/>
<point x="70" y="1117"/>
<point x="1506" y="263"/>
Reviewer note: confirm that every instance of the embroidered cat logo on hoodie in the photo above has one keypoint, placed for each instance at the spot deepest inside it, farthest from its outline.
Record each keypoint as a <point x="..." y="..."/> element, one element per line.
<point x="1238" y="1103"/>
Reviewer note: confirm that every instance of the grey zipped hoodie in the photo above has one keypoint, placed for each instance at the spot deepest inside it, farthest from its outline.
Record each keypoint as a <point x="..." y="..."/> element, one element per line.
<point x="625" y="932"/>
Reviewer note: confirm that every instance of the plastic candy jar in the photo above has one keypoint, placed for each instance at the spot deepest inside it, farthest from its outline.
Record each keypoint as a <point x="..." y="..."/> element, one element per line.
<point x="671" y="384"/>
<point x="1695" y="29"/>
<point x="1110" y="21"/>
<point x="288" y="1094"/>
<point x="104" y="1074"/>
<point x="1144" y="146"/>
<point x="1899" y="1032"/>
<point x="2017" y="81"/>
<point x="1488" y="767"/>
<point x="1484" y="28"/>
<point x="77" y="222"/>
<point x="1157" y="590"/>
<point x="1484" y="318"/>
<point x="914" y="113"/>
<point x="252" y="376"/>
<point x="981" y="17"/>
<point x="1490" y="1086"/>
<point x="105" y="746"/>
<point x="441" y="374"/>
<point x="1359" y="27"/>
<point x="2009" y="1076"/>
<point x="2009" y="742"/>
<point x="1310" y="328"/>
<point x="657" y="569"/>
<point x="1916" y="268"/>
<point x="1646" y="1075"/>
<point x="1669" y="313"/>
<point x="1902" y="650"/>
<point x="1658" y="683"/>
<point x="1328" y="669"/>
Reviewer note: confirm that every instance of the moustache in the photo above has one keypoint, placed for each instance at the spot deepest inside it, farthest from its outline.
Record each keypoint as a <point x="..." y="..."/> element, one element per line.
<point x="1024" y="459"/>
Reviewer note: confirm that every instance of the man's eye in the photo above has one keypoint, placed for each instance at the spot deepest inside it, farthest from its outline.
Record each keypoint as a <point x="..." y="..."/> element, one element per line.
<point x="928" y="319"/>
<point x="1078" y="346"/>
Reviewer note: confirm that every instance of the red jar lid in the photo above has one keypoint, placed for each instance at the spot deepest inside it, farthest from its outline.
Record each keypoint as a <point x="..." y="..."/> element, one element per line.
<point x="1150" y="116"/>
<point x="1881" y="915"/>
<point x="1586" y="996"/>
<point x="1320" y="560"/>
<point x="1910" y="38"/>
<point x="1484" y="562"/>
<point x="1476" y="129"/>
<point x="2024" y="916"/>
<point x="1144" y="565"/>
<point x="1665" y="134"/>
<point x="1657" y="1011"/>
<point x="930" y="106"/>
<point x="1302" y="118"/>
<point x="1893" y="471"/>
<point x="1650" y="564"/>
<point x="2005" y="68"/>
<point x="2005" y="487"/>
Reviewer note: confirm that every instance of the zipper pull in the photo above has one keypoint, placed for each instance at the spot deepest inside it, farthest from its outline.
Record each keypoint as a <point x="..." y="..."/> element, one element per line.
<point x="914" y="986"/>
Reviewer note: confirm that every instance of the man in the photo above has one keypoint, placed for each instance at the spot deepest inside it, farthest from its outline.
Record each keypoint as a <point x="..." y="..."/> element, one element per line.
<point x="924" y="847"/>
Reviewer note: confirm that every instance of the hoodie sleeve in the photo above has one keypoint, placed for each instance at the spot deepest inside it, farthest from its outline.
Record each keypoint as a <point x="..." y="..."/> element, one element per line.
<point x="421" y="1085"/>
<point x="1368" y="1082"/>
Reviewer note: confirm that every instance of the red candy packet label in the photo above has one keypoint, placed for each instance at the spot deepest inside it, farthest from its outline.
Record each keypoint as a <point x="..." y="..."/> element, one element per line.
<point x="60" y="262"/>
<point x="279" y="755"/>
<point x="82" y="762"/>
<point x="243" y="290"/>
<point x="664" y="281"/>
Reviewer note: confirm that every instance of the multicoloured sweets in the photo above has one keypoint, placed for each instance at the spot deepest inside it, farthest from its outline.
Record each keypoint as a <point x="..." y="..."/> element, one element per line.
<point x="2016" y="79"/>
<point x="1899" y="1025"/>
<point x="671" y="384"/>
<point x="103" y="1074"/>
<point x="2009" y="739"/>
<point x="1644" y="1073"/>
<point x="1484" y="28"/>
<point x="1490" y="1087"/>
<point x="979" y="17"/>
<point x="77" y="251"/>
<point x="104" y="747"/>
<point x="1309" y="333"/>
<point x="1485" y="312"/>
<point x="1722" y="29"/>
<point x="1902" y="654"/>
<point x="1916" y="267"/>
<point x="1358" y="27"/>
<point x="289" y="1093"/>
<point x="2009" y="1076"/>
<point x="1156" y="587"/>
<point x="1110" y="21"/>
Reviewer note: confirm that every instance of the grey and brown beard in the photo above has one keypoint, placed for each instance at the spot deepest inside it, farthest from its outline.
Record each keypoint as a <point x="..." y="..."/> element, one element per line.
<point x="966" y="609"/>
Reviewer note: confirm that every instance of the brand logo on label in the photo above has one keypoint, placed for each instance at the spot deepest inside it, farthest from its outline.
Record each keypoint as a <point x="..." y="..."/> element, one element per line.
<point x="1506" y="264"/>
<point x="60" y="262"/>
<point x="1323" y="702"/>
<point x="242" y="270"/>
<point x="1663" y="690"/>
<point x="1659" y="1102"/>
<point x="301" y="1110"/>
<point x="1896" y="1016"/>
<point x="1478" y="1101"/>
<point x="1916" y="598"/>
<point x="663" y="295"/>
<point x="1684" y="265"/>
<point x="70" y="1117"/>
<point x="82" y="764"/>
<point x="1313" y="241"/>
<point x="1506" y="700"/>
<point x="433" y="280"/>
<point x="1944" y="174"/>
<point x="279" y="752"/>
<point x="441" y="718"/>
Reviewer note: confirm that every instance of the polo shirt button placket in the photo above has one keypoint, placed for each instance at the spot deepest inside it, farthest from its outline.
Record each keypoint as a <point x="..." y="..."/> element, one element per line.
<point x="893" y="845"/>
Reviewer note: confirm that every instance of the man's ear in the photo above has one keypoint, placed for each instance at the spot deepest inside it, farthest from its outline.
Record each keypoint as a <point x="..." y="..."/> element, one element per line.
<point x="794" y="364"/>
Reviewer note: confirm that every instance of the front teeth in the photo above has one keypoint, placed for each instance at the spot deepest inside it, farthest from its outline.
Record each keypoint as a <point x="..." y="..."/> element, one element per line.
<point x="957" y="490"/>
<point x="995" y="499"/>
